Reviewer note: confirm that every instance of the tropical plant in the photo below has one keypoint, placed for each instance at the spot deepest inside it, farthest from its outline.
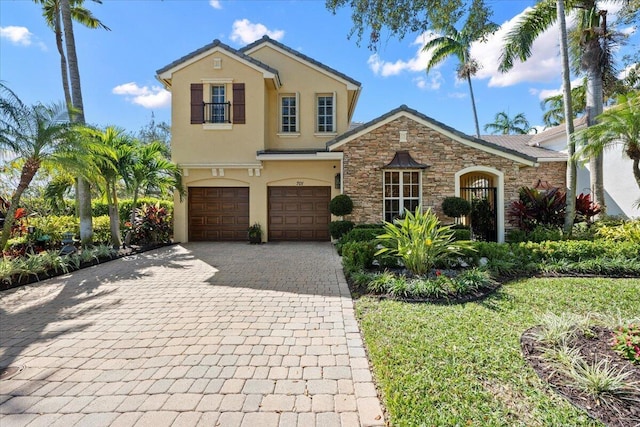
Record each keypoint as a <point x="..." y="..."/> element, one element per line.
<point x="458" y="43"/>
<point x="419" y="240"/>
<point x="483" y="220"/>
<point x="53" y="17"/>
<point x="32" y="134"/>
<point x="255" y="233"/>
<point x="152" y="225"/>
<point x="594" y="51"/>
<point x="618" y="125"/>
<point x="505" y="125"/>
<point x="149" y="171"/>
<point x="626" y="342"/>
<point x="554" y="106"/>
<point x="112" y="162"/>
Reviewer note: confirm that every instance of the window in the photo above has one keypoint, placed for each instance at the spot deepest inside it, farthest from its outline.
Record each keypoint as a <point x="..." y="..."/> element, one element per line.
<point x="326" y="114"/>
<point x="401" y="192"/>
<point x="289" y="114"/>
<point x="219" y="106"/>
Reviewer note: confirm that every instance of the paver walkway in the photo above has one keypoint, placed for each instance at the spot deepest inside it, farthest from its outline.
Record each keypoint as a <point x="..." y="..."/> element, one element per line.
<point x="201" y="334"/>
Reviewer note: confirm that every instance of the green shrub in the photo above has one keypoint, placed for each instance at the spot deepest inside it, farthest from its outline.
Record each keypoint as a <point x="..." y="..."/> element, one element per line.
<point x="54" y="226"/>
<point x="358" y="255"/>
<point x="455" y="207"/>
<point x="627" y="231"/>
<point x="419" y="240"/>
<point x="380" y="225"/>
<point x="151" y="225"/>
<point x="101" y="229"/>
<point x="337" y="229"/>
<point x="100" y="208"/>
<point x="461" y="234"/>
<point x="362" y="234"/>
<point x="341" y="205"/>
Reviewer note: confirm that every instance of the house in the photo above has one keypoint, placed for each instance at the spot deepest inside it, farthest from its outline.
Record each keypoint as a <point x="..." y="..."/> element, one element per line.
<point x="621" y="190"/>
<point x="262" y="134"/>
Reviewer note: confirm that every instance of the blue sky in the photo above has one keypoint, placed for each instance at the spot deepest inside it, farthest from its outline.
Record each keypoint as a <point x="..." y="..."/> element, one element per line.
<point x="117" y="67"/>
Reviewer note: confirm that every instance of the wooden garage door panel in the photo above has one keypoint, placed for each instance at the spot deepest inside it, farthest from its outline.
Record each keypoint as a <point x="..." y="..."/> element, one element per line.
<point x="218" y="213"/>
<point x="299" y="213"/>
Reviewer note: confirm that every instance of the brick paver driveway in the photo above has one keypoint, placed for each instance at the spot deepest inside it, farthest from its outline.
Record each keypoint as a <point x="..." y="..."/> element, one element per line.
<point x="201" y="334"/>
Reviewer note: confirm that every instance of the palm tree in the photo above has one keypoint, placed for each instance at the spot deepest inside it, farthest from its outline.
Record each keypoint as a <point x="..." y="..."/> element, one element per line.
<point x="150" y="170"/>
<point x="112" y="162"/>
<point x="619" y="125"/>
<point x="554" y="106"/>
<point x="34" y="135"/>
<point x="458" y="43"/>
<point x="594" y="58"/>
<point x="52" y="15"/>
<point x="505" y="125"/>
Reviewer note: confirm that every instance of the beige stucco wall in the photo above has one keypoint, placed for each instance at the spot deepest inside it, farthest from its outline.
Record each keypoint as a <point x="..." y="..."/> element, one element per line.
<point x="366" y="155"/>
<point x="274" y="173"/>
<point x="191" y="143"/>
<point x="297" y="77"/>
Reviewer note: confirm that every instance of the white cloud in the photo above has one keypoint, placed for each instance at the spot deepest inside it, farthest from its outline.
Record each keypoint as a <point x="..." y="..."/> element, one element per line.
<point x="20" y="36"/>
<point x="17" y="35"/>
<point x="215" y="4"/>
<point x="542" y="66"/>
<point x="431" y="82"/>
<point x="246" y="31"/>
<point x="546" y="93"/>
<point x="624" y="73"/>
<point x="416" y="64"/>
<point x="154" y="97"/>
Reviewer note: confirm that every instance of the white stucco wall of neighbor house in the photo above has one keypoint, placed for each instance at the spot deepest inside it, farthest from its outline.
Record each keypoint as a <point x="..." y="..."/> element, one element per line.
<point x="621" y="189"/>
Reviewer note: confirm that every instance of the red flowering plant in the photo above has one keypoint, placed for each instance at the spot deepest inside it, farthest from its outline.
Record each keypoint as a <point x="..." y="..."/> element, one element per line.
<point x="152" y="225"/>
<point x="626" y="342"/>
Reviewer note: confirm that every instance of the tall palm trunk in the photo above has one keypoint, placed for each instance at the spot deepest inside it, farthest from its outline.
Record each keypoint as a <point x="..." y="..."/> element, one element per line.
<point x="64" y="68"/>
<point x="84" y="187"/>
<point x="114" y="214"/>
<point x="594" y="108"/>
<point x="29" y="170"/>
<point x="570" y="211"/>
<point x="473" y="105"/>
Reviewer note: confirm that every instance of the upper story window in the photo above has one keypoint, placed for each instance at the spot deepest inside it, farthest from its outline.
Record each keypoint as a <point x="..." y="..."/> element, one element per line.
<point x="402" y="191"/>
<point x="289" y="114"/>
<point x="218" y="104"/>
<point x="326" y="113"/>
<point x="217" y="111"/>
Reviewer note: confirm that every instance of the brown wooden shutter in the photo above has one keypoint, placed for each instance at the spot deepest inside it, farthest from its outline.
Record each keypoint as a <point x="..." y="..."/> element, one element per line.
<point x="238" y="104"/>
<point x="197" y="106"/>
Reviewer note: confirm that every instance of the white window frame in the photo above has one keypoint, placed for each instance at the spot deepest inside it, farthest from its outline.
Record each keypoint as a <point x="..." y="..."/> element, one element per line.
<point x="333" y="130"/>
<point x="401" y="197"/>
<point x="208" y="85"/>
<point x="296" y="131"/>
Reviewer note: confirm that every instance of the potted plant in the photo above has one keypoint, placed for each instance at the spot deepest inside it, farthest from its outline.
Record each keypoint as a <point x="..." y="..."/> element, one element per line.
<point x="255" y="233"/>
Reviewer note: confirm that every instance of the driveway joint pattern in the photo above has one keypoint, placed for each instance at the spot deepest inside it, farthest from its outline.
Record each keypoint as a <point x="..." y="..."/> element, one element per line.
<point x="208" y="334"/>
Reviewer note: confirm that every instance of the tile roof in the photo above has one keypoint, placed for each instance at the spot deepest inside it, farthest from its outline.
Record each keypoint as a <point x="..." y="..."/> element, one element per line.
<point x="521" y="144"/>
<point x="217" y="43"/>
<point x="515" y="148"/>
<point x="556" y="130"/>
<point x="267" y="39"/>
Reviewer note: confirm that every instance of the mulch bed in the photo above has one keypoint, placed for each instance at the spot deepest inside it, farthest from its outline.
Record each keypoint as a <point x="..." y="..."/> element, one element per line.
<point x="616" y="412"/>
<point x="33" y="278"/>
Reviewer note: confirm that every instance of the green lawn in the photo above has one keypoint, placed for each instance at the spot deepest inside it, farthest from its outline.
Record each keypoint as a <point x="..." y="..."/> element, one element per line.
<point x="461" y="365"/>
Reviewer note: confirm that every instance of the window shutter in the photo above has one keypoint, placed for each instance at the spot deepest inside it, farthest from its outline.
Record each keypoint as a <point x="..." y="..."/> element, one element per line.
<point x="238" y="104"/>
<point x="197" y="104"/>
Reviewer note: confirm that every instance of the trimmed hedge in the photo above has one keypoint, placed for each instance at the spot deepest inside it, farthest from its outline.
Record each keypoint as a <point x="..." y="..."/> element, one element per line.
<point x="337" y="229"/>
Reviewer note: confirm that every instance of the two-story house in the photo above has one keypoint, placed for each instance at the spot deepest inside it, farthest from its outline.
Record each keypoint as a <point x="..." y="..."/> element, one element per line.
<point x="262" y="135"/>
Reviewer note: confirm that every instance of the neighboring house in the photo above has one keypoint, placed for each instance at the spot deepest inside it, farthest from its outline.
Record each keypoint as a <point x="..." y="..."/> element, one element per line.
<point x="263" y="134"/>
<point x="621" y="190"/>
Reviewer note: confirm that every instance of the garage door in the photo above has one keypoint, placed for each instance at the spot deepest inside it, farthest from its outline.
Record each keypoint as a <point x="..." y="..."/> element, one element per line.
<point x="299" y="213"/>
<point x="218" y="213"/>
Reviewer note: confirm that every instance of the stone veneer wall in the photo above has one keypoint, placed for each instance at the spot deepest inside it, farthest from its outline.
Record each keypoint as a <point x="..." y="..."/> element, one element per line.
<point x="365" y="156"/>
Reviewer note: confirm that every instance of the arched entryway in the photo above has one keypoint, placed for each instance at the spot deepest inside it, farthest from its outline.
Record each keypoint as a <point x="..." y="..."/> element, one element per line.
<point x="483" y="187"/>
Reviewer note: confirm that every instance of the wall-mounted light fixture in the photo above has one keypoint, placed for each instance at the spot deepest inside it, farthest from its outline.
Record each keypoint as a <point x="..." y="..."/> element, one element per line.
<point x="338" y="181"/>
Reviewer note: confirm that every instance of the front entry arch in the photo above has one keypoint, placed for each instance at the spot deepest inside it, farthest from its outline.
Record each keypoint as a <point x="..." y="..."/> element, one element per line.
<point x="486" y="186"/>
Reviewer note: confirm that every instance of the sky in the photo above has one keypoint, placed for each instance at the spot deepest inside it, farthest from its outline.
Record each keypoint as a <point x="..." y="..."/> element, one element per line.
<point x="118" y="67"/>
